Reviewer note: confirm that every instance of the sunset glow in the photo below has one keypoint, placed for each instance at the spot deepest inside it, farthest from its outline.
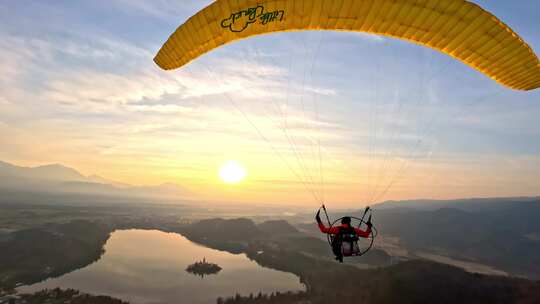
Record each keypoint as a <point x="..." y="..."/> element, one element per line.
<point x="315" y="116"/>
<point x="232" y="172"/>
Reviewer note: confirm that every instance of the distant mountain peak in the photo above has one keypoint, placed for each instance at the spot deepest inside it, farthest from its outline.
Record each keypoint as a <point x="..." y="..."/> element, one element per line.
<point x="6" y="164"/>
<point x="102" y="180"/>
<point x="62" y="179"/>
<point x="49" y="172"/>
<point x="55" y="165"/>
<point x="58" y="172"/>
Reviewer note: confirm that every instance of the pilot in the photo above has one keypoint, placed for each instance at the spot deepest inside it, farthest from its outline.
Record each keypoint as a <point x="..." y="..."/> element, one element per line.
<point x="345" y="237"/>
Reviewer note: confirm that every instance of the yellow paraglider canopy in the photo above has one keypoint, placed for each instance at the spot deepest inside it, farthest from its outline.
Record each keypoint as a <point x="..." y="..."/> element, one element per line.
<point x="458" y="28"/>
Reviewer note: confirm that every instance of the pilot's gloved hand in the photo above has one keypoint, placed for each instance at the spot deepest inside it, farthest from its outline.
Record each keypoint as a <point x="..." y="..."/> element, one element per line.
<point x="368" y="223"/>
<point x="318" y="217"/>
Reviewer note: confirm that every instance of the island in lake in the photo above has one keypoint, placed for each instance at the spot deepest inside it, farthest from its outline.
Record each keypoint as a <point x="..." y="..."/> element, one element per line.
<point x="203" y="268"/>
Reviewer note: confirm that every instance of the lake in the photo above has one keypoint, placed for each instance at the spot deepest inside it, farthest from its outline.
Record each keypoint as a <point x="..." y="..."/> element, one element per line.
<point x="148" y="266"/>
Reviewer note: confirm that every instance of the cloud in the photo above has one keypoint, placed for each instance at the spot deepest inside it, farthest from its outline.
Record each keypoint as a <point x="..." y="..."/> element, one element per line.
<point x="146" y="98"/>
<point x="90" y="95"/>
<point x="352" y="37"/>
<point x="162" y="9"/>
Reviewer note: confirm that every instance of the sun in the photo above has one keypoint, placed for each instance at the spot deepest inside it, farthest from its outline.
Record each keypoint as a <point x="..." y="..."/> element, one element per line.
<point x="232" y="172"/>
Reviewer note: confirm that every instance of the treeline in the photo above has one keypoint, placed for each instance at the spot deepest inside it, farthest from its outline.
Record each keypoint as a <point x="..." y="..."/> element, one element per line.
<point x="72" y="296"/>
<point x="277" y="297"/>
<point x="488" y="232"/>
<point x="32" y="255"/>
<point x="408" y="282"/>
<point x="405" y="283"/>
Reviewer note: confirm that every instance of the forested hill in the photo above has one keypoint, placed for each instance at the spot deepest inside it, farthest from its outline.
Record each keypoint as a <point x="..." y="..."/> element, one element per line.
<point x="505" y="235"/>
<point x="29" y="257"/>
<point x="417" y="281"/>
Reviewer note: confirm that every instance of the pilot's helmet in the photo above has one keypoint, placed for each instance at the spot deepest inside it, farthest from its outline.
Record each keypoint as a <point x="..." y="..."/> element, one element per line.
<point x="346" y="220"/>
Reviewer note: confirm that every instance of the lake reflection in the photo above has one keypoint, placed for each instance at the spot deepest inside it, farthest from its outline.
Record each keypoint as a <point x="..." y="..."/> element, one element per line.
<point x="149" y="267"/>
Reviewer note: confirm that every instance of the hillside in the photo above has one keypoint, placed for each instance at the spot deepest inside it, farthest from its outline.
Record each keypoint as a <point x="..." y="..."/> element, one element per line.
<point x="277" y="227"/>
<point x="416" y="281"/>
<point x="31" y="255"/>
<point x="504" y="235"/>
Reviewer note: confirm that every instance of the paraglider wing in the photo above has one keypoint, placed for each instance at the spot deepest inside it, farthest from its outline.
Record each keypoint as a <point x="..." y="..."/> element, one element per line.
<point x="458" y="28"/>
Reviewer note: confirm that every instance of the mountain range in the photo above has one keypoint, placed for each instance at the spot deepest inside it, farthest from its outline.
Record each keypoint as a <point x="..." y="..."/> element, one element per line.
<point x="59" y="179"/>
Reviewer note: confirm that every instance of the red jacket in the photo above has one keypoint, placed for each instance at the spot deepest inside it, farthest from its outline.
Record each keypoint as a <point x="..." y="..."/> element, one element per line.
<point x="335" y="230"/>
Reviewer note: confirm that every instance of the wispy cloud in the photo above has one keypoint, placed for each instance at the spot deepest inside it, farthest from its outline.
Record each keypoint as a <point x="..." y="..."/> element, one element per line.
<point x="82" y="90"/>
<point x="164" y="9"/>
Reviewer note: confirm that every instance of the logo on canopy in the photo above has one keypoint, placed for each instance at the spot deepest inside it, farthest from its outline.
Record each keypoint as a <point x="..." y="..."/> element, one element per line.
<point x="240" y="21"/>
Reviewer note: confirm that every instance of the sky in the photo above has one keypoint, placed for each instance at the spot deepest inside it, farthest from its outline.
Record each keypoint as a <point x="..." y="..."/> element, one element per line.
<point x="343" y="118"/>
